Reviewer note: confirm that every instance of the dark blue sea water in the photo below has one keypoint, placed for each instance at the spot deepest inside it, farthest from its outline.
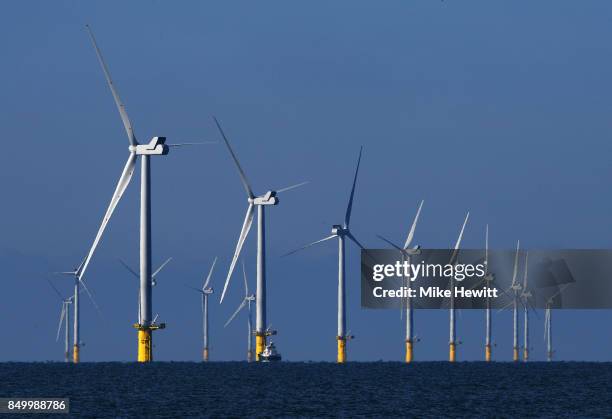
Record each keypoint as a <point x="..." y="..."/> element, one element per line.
<point x="318" y="389"/>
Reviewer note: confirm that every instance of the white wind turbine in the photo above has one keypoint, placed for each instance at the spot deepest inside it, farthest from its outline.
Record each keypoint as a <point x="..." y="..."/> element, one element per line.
<point x="525" y="296"/>
<point x="246" y="302"/>
<point x="548" y="324"/>
<point x="64" y="315"/>
<point x="407" y="252"/>
<point x="156" y="147"/>
<point x="269" y="198"/>
<point x="77" y="274"/>
<point x="153" y="277"/>
<point x="488" y="278"/>
<point x="515" y="287"/>
<point x="341" y="232"/>
<point x="452" y="342"/>
<point x="205" y="291"/>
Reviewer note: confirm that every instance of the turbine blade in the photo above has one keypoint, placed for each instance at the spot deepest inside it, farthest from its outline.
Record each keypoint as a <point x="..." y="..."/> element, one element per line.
<point x="124" y="181"/>
<point x="240" y="307"/>
<point x="56" y="290"/>
<point x="516" y="255"/>
<point x="506" y="306"/>
<point x="310" y="244"/>
<point x="413" y="227"/>
<point x="243" y="178"/>
<point x="288" y="188"/>
<point x="188" y="144"/>
<point x="209" y="274"/>
<point x="389" y="242"/>
<point x="246" y="226"/>
<point x="161" y="267"/>
<point x="126" y="266"/>
<point x="246" y="285"/>
<point x="354" y="239"/>
<point x="458" y="243"/>
<point x="120" y="106"/>
<point x="487" y="248"/>
<point x="349" y="208"/>
<point x="525" y="276"/>
<point x="546" y="320"/>
<point x="92" y="299"/>
<point x="193" y="288"/>
<point x="61" y="320"/>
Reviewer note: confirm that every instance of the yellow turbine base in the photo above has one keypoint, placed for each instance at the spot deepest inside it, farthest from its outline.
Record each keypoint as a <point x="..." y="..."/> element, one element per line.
<point x="145" y="345"/>
<point x="75" y="354"/>
<point x="515" y="354"/>
<point x="408" y="351"/>
<point x="488" y="353"/>
<point x="260" y="345"/>
<point x="525" y="355"/>
<point x="341" y="359"/>
<point x="451" y="352"/>
<point x="205" y="355"/>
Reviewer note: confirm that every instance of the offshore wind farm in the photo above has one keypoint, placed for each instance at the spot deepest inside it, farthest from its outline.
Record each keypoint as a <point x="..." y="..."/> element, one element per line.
<point x="261" y="331"/>
<point x="426" y="226"/>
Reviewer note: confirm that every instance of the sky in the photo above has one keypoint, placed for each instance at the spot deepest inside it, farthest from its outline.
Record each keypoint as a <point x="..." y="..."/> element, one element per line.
<point x="499" y="108"/>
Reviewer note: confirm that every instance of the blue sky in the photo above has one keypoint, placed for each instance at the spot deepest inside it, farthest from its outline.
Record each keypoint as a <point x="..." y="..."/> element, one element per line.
<point x="500" y="108"/>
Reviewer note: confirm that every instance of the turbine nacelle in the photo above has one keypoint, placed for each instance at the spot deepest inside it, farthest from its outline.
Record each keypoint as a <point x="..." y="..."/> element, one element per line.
<point x="416" y="250"/>
<point x="250" y="297"/>
<point x="339" y="230"/>
<point x="207" y="291"/>
<point x="269" y="198"/>
<point x="156" y="147"/>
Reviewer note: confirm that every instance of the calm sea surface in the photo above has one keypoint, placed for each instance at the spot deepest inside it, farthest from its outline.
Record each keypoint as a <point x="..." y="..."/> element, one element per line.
<point x="383" y="389"/>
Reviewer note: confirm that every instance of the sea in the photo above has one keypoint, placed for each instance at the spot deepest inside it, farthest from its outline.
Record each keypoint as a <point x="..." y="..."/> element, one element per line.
<point x="313" y="389"/>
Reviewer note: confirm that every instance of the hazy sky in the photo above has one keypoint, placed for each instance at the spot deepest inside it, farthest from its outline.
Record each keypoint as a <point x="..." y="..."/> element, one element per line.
<point x="500" y="108"/>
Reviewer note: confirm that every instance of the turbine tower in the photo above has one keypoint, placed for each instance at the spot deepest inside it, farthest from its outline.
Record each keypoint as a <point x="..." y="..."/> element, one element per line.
<point x="206" y="291"/>
<point x="406" y="256"/>
<point x="452" y="342"/>
<point x="516" y="288"/>
<point x="64" y="316"/>
<point x="341" y="232"/>
<point x="156" y="147"/>
<point x="267" y="199"/>
<point x="246" y="302"/>
<point x="526" y="295"/>
<point x="548" y="324"/>
<point x="488" y="278"/>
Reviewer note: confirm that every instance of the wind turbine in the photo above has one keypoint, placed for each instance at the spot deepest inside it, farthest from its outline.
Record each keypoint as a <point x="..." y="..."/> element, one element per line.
<point x="78" y="282"/>
<point x="452" y="342"/>
<point x="526" y="295"/>
<point x="246" y="302"/>
<point x="156" y="147"/>
<point x="64" y="315"/>
<point x="153" y="277"/>
<point x="341" y="232"/>
<point x="269" y="198"/>
<point x="516" y="288"/>
<point x="205" y="291"/>
<point x="406" y="255"/>
<point x="548" y="324"/>
<point x="489" y="278"/>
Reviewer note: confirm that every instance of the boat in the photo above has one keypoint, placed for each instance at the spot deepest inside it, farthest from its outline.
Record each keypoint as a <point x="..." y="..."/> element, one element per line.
<point x="269" y="354"/>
